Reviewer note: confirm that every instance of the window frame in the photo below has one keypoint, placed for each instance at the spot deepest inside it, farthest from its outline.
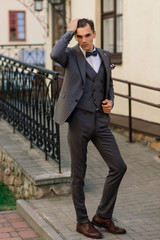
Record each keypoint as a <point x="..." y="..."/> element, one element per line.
<point x="16" y="38"/>
<point x="115" y="57"/>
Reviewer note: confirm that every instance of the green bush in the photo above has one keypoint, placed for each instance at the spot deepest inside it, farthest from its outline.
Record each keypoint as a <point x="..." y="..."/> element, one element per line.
<point x="7" y="200"/>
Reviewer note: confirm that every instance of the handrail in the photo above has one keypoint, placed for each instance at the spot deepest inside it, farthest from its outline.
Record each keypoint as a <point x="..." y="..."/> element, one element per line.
<point x="130" y="99"/>
<point x="136" y="84"/>
<point x="31" y="66"/>
<point x="21" y="45"/>
<point x="137" y="100"/>
<point x="28" y="94"/>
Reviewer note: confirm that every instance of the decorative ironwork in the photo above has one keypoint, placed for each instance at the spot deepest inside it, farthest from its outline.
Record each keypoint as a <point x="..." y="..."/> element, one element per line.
<point x="42" y="16"/>
<point x="29" y="53"/>
<point x="27" y="99"/>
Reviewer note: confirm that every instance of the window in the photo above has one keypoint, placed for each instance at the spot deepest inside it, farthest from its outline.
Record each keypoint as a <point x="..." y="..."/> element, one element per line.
<point x="112" y="28"/>
<point x="58" y="21"/>
<point x="17" y="25"/>
<point x="59" y="28"/>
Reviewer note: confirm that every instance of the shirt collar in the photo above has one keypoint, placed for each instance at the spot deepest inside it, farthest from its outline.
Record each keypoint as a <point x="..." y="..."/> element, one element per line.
<point x="84" y="51"/>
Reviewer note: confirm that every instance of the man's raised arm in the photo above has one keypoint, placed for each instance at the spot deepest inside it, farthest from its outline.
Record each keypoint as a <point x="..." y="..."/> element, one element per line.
<point x="59" y="51"/>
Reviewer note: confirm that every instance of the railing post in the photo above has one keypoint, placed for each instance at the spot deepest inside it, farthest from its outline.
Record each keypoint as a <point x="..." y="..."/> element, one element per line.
<point x="130" y="112"/>
<point x="58" y="127"/>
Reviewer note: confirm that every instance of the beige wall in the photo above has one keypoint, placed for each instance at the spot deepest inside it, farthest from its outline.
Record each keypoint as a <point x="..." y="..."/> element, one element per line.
<point x="49" y="43"/>
<point x="34" y="31"/>
<point x="83" y="9"/>
<point x="141" y="51"/>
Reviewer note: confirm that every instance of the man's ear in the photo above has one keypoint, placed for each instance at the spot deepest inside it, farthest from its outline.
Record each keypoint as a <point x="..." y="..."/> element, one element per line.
<point x="94" y="34"/>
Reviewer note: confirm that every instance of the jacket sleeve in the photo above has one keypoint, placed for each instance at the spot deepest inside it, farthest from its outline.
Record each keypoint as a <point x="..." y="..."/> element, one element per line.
<point x="60" y="52"/>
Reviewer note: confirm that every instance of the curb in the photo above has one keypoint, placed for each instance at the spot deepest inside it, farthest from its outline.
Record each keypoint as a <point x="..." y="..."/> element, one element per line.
<point x="43" y="229"/>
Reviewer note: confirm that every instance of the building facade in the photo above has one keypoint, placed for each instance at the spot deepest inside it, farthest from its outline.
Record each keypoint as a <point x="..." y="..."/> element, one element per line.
<point x="129" y="30"/>
<point x="23" y="31"/>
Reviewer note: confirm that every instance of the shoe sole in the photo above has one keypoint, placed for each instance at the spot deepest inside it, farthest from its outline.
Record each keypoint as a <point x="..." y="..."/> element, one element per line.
<point x="90" y="236"/>
<point x="100" y="226"/>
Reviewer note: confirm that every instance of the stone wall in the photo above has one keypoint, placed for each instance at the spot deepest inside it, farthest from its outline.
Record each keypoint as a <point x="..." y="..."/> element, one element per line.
<point x="13" y="176"/>
<point x="149" y="141"/>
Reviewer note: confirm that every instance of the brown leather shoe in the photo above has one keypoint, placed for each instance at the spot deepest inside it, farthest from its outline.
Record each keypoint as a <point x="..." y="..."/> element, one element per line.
<point x="88" y="230"/>
<point x="108" y="224"/>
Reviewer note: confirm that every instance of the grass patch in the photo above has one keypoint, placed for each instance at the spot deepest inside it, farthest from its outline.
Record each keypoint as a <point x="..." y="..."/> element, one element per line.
<point x="7" y="200"/>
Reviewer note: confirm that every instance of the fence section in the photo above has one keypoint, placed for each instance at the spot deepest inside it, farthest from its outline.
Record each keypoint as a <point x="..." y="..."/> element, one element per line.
<point x="27" y="100"/>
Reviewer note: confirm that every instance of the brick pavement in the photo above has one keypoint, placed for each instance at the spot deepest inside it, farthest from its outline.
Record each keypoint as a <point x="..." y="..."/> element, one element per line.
<point x="14" y="227"/>
<point x="138" y="204"/>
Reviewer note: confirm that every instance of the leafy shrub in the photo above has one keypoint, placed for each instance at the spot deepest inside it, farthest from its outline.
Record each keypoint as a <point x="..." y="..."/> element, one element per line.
<point x="7" y="200"/>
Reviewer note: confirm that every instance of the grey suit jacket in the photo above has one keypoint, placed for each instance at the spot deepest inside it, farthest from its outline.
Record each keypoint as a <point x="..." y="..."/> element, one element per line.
<point x="74" y="62"/>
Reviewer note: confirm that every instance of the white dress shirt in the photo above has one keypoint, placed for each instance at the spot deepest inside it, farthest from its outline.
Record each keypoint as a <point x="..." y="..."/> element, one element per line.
<point x="94" y="61"/>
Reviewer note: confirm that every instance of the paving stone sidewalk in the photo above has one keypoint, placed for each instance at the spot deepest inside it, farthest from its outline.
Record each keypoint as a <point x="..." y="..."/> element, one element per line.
<point x="138" y="204"/>
<point x="14" y="227"/>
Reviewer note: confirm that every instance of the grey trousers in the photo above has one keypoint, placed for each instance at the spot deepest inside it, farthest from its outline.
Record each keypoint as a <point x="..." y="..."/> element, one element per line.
<point x="83" y="127"/>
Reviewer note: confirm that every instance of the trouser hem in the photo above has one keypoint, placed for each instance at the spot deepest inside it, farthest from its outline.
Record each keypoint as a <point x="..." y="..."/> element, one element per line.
<point x="82" y="221"/>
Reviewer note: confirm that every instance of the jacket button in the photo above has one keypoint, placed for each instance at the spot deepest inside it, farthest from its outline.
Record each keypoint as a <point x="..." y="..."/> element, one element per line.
<point x="76" y="100"/>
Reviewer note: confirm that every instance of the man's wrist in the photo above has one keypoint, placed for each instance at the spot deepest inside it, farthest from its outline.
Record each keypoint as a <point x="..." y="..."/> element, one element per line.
<point x="111" y="102"/>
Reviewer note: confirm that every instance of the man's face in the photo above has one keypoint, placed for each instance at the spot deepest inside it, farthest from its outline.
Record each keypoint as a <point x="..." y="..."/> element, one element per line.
<point x="84" y="36"/>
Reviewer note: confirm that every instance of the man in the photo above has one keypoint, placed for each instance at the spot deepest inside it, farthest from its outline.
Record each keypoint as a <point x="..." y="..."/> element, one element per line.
<point x="85" y="101"/>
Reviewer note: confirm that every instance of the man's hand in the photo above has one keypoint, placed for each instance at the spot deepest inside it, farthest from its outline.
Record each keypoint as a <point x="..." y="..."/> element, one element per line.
<point x="73" y="24"/>
<point x="106" y="106"/>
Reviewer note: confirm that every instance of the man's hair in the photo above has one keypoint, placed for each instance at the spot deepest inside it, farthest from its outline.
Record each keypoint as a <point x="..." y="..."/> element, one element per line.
<point x="84" y="21"/>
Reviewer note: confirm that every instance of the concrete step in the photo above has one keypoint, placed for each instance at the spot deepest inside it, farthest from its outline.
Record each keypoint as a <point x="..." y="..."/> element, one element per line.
<point x="25" y="170"/>
<point x="37" y="222"/>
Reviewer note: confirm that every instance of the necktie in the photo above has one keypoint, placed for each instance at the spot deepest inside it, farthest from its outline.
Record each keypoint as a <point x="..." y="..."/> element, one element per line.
<point x="88" y="54"/>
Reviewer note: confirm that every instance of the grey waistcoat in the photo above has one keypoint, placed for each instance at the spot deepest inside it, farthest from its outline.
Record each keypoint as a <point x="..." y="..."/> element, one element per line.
<point x="94" y="91"/>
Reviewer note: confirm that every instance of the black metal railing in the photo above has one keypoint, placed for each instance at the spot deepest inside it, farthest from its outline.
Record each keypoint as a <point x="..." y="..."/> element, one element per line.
<point x="130" y="99"/>
<point x="29" y="53"/>
<point x="27" y="99"/>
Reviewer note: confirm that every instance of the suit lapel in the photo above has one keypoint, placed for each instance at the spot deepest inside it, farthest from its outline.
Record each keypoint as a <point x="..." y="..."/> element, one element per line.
<point x="81" y="62"/>
<point x="105" y="59"/>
